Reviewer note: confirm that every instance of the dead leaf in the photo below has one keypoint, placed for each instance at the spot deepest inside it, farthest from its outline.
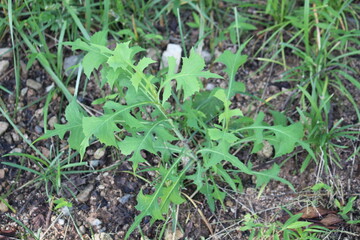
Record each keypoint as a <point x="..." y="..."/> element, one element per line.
<point x="331" y="219"/>
<point x="314" y="212"/>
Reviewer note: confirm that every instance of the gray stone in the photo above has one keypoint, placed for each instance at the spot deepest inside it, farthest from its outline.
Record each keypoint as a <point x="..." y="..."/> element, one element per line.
<point x="84" y="195"/>
<point x="38" y="129"/>
<point x="6" y="53"/>
<point x="69" y="62"/>
<point x="4" y="64"/>
<point x="124" y="199"/>
<point x="206" y="56"/>
<point x="33" y="84"/>
<point x="94" y="163"/>
<point x="3" y="127"/>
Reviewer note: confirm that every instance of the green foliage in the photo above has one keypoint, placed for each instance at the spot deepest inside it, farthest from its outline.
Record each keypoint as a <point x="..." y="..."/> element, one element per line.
<point x="293" y="228"/>
<point x="145" y="122"/>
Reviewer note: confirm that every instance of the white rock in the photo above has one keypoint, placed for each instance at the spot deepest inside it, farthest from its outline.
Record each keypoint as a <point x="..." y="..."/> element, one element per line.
<point x="23" y="91"/>
<point x="51" y="86"/>
<point x="210" y="86"/>
<point x="95" y="222"/>
<point x="102" y="236"/>
<point x="3" y="127"/>
<point x="61" y="221"/>
<point x="4" y="64"/>
<point x="99" y="153"/>
<point x="33" y="84"/>
<point x="69" y="62"/>
<point x="6" y="53"/>
<point x="172" y="50"/>
<point x="2" y="173"/>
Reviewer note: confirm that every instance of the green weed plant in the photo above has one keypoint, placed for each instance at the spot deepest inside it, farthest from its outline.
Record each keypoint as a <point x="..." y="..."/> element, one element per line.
<point x="169" y="117"/>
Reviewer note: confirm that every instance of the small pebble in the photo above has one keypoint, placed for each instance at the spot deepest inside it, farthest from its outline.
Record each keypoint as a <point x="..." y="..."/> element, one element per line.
<point x="3" y="207"/>
<point x="24" y="71"/>
<point x="84" y="195"/>
<point x="124" y="199"/>
<point x="94" y="163"/>
<point x="66" y="210"/>
<point x="61" y="221"/>
<point x="4" y="64"/>
<point x="52" y="121"/>
<point x="23" y="91"/>
<point x="210" y="86"/>
<point x="99" y="153"/>
<point x="95" y="222"/>
<point x="3" y="127"/>
<point x="2" y="173"/>
<point x="48" y="88"/>
<point x="38" y="129"/>
<point x="33" y="84"/>
<point x="69" y="62"/>
<point x="82" y="229"/>
<point x="5" y="53"/>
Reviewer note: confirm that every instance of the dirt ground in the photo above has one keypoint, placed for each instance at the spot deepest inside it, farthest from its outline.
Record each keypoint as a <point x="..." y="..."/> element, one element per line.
<point x="106" y="208"/>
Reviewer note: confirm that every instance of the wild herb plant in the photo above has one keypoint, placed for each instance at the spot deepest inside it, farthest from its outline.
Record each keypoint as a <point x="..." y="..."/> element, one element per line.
<point x="169" y="117"/>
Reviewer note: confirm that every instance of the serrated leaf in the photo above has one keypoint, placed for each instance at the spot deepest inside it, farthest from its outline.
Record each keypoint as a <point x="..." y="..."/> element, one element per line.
<point x="122" y="56"/>
<point x="232" y="62"/>
<point x="188" y="78"/>
<point x="286" y="138"/>
<point x="152" y="202"/>
<point x="91" y="61"/>
<point x="104" y="127"/>
<point x="144" y="141"/>
<point x="143" y="204"/>
<point x="112" y="77"/>
<point x="169" y="76"/>
<point x="217" y="134"/>
<point x="198" y="176"/>
<point x="138" y="75"/>
<point x="74" y="125"/>
<point x="220" y="153"/>
<point x="265" y="178"/>
<point x="283" y="138"/>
